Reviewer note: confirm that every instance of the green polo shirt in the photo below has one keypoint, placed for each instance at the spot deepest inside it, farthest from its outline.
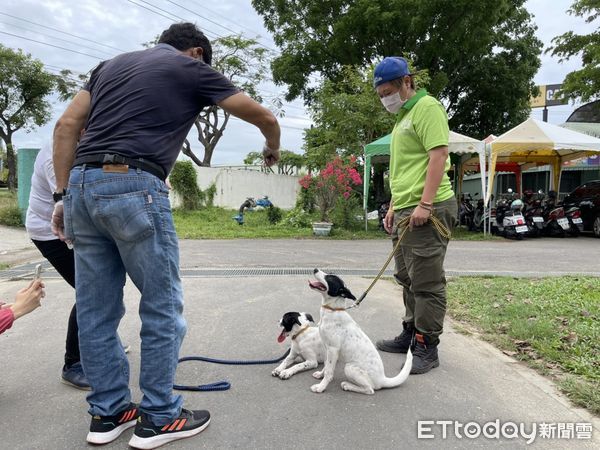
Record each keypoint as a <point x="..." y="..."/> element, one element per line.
<point x="422" y="125"/>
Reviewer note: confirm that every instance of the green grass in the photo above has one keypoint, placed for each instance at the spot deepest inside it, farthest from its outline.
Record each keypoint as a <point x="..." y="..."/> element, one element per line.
<point x="218" y="223"/>
<point x="10" y="214"/>
<point x="553" y="324"/>
<point x="462" y="234"/>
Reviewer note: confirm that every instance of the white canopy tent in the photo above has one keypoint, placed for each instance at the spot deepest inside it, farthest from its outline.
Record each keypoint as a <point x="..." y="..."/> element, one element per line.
<point x="534" y="141"/>
<point x="457" y="143"/>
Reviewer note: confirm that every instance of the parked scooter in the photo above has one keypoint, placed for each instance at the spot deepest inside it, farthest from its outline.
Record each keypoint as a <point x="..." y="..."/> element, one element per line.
<point x="481" y="217"/>
<point x="510" y="222"/>
<point x="466" y="211"/>
<point x="555" y="222"/>
<point x="381" y="213"/>
<point x="573" y="215"/>
<point x="533" y="213"/>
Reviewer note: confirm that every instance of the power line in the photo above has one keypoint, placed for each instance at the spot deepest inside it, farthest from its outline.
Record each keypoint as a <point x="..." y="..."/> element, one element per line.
<point x="63" y="32"/>
<point x="52" y="45"/>
<point x="202" y="17"/>
<point x="218" y="24"/>
<point x="167" y="12"/>
<point x="225" y="17"/>
<point x="58" y="39"/>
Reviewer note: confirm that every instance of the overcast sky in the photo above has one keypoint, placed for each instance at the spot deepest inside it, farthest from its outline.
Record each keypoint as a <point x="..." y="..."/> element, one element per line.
<point x="109" y="27"/>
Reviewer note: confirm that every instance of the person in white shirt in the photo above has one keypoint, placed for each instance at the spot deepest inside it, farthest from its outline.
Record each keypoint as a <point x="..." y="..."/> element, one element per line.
<point x="58" y="253"/>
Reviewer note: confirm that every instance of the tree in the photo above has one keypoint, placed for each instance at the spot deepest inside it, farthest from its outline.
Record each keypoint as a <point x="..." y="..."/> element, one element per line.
<point x="245" y="63"/>
<point x="585" y="82"/>
<point x="481" y="56"/>
<point x="289" y="162"/>
<point x="347" y="115"/>
<point x="24" y="88"/>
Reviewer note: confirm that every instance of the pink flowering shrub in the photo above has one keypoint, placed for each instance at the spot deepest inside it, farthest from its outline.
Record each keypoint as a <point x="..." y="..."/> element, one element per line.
<point x="334" y="181"/>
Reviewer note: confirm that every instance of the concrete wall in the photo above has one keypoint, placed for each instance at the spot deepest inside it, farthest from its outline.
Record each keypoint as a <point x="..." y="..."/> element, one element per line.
<point x="235" y="185"/>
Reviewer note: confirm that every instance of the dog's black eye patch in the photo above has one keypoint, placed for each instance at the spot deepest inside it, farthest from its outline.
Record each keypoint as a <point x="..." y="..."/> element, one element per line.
<point x="334" y="285"/>
<point x="289" y="319"/>
<point x="337" y="288"/>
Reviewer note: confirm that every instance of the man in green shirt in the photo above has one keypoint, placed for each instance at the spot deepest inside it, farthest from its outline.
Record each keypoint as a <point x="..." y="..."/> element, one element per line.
<point x="420" y="187"/>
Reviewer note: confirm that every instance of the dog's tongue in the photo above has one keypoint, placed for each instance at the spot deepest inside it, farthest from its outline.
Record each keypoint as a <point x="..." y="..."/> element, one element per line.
<point x="281" y="337"/>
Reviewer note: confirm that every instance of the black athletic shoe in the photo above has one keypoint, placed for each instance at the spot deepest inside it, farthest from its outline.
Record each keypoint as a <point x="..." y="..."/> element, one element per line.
<point x="74" y="376"/>
<point x="105" y="429"/>
<point x="399" y="344"/>
<point x="188" y="424"/>
<point x="425" y="354"/>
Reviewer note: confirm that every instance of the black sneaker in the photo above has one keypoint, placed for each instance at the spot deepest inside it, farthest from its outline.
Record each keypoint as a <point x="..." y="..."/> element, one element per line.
<point x="399" y="344"/>
<point x="425" y="354"/>
<point x="105" y="429"/>
<point x="188" y="424"/>
<point x="74" y="376"/>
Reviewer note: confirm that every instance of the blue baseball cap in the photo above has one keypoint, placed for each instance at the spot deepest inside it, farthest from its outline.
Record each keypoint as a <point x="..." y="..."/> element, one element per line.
<point x="390" y="68"/>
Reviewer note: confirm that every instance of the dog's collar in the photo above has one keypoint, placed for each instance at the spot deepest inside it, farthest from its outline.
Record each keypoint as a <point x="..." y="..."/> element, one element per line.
<point x="331" y="308"/>
<point x="300" y="332"/>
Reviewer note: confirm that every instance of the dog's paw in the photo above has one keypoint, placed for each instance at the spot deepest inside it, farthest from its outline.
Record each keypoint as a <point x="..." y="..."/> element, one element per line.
<point x="285" y="374"/>
<point x="318" y="388"/>
<point x="275" y="373"/>
<point x="318" y="374"/>
<point x="345" y="385"/>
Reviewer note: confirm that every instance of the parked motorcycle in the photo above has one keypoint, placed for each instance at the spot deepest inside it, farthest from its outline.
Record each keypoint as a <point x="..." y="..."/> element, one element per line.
<point x="533" y="213"/>
<point x="481" y="217"/>
<point x="381" y="213"/>
<point x="573" y="215"/>
<point x="510" y="222"/>
<point x="555" y="222"/>
<point x="466" y="211"/>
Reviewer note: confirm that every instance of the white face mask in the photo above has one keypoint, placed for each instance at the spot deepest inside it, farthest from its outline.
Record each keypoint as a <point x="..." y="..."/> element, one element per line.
<point x="393" y="102"/>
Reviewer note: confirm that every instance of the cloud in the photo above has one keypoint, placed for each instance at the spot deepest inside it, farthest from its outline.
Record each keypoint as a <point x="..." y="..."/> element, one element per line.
<point x="123" y="25"/>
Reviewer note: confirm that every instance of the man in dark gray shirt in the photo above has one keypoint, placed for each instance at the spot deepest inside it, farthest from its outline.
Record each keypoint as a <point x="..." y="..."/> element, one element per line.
<point x="137" y="109"/>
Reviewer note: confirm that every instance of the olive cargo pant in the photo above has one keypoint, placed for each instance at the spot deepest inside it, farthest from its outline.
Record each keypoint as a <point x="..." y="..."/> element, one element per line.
<point x="420" y="269"/>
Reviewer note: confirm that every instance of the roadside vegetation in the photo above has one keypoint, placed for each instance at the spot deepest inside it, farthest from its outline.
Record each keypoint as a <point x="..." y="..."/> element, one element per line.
<point x="552" y="324"/>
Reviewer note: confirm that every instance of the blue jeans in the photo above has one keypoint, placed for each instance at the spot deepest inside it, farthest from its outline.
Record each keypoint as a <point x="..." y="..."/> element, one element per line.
<point x="121" y="223"/>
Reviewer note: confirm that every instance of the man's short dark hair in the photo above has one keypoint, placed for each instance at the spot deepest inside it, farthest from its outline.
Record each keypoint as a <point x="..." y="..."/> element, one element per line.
<point x="184" y="36"/>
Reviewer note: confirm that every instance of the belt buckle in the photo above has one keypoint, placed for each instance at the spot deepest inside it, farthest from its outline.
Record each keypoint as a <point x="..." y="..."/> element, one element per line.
<point x="115" y="168"/>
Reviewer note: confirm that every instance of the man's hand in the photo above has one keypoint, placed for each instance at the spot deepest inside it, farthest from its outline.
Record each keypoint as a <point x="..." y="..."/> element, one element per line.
<point x="388" y="221"/>
<point x="270" y="156"/>
<point x="419" y="217"/>
<point x="57" y="223"/>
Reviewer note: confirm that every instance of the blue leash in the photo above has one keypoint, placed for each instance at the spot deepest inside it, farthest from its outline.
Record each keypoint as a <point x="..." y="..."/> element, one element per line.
<point x="221" y="385"/>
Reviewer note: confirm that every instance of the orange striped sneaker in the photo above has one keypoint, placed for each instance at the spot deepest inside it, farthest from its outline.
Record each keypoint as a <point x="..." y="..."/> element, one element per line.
<point x="105" y="429"/>
<point x="188" y="424"/>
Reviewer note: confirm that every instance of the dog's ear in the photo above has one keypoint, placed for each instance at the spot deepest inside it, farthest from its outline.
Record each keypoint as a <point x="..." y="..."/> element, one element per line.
<point x="345" y="292"/>
<point x="310" y="318"/>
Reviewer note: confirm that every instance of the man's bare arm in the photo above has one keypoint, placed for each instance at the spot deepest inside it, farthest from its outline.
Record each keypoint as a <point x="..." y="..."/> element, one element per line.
<point x="245" y="108"/>
<point x="66" y="134"/>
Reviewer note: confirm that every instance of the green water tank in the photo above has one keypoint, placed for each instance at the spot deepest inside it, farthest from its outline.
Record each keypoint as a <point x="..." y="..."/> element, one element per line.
<point x="25" y="160"/>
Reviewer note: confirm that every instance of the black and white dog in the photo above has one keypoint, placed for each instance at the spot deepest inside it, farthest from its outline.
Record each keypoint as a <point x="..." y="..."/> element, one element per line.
<point x="344" y="340"/>
<point x="307" y="348"/>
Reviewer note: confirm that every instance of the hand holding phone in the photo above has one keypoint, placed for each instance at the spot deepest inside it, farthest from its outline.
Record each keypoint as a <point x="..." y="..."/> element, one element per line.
<point x="38" y="272"/>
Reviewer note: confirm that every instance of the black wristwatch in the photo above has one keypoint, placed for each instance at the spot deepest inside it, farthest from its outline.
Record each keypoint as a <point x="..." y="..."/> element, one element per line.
<point x="58" y="196"/>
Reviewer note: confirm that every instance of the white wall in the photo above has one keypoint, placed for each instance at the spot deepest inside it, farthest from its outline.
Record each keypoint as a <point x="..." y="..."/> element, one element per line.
<point x="235" y="185"/>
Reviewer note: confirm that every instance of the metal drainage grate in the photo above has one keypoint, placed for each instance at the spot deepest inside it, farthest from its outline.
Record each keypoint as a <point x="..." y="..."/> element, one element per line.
<point x="26" y="271"/>
<point x="267" y="271"/>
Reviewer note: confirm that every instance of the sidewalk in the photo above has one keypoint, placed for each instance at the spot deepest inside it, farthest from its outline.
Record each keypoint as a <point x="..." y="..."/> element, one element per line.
<point x="236" y="319"/>
<point x="16" y="247"/>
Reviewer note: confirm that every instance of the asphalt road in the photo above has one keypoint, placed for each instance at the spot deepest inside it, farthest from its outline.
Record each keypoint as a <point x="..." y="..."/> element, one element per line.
<point x="235" y="317"/>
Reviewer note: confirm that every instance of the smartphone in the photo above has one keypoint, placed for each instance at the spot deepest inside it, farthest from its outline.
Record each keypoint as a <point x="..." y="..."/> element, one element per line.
<point x="38" y="271"/>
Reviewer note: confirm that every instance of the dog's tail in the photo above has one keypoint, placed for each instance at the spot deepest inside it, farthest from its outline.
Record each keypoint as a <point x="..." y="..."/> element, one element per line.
<point x="402" y="376"/>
